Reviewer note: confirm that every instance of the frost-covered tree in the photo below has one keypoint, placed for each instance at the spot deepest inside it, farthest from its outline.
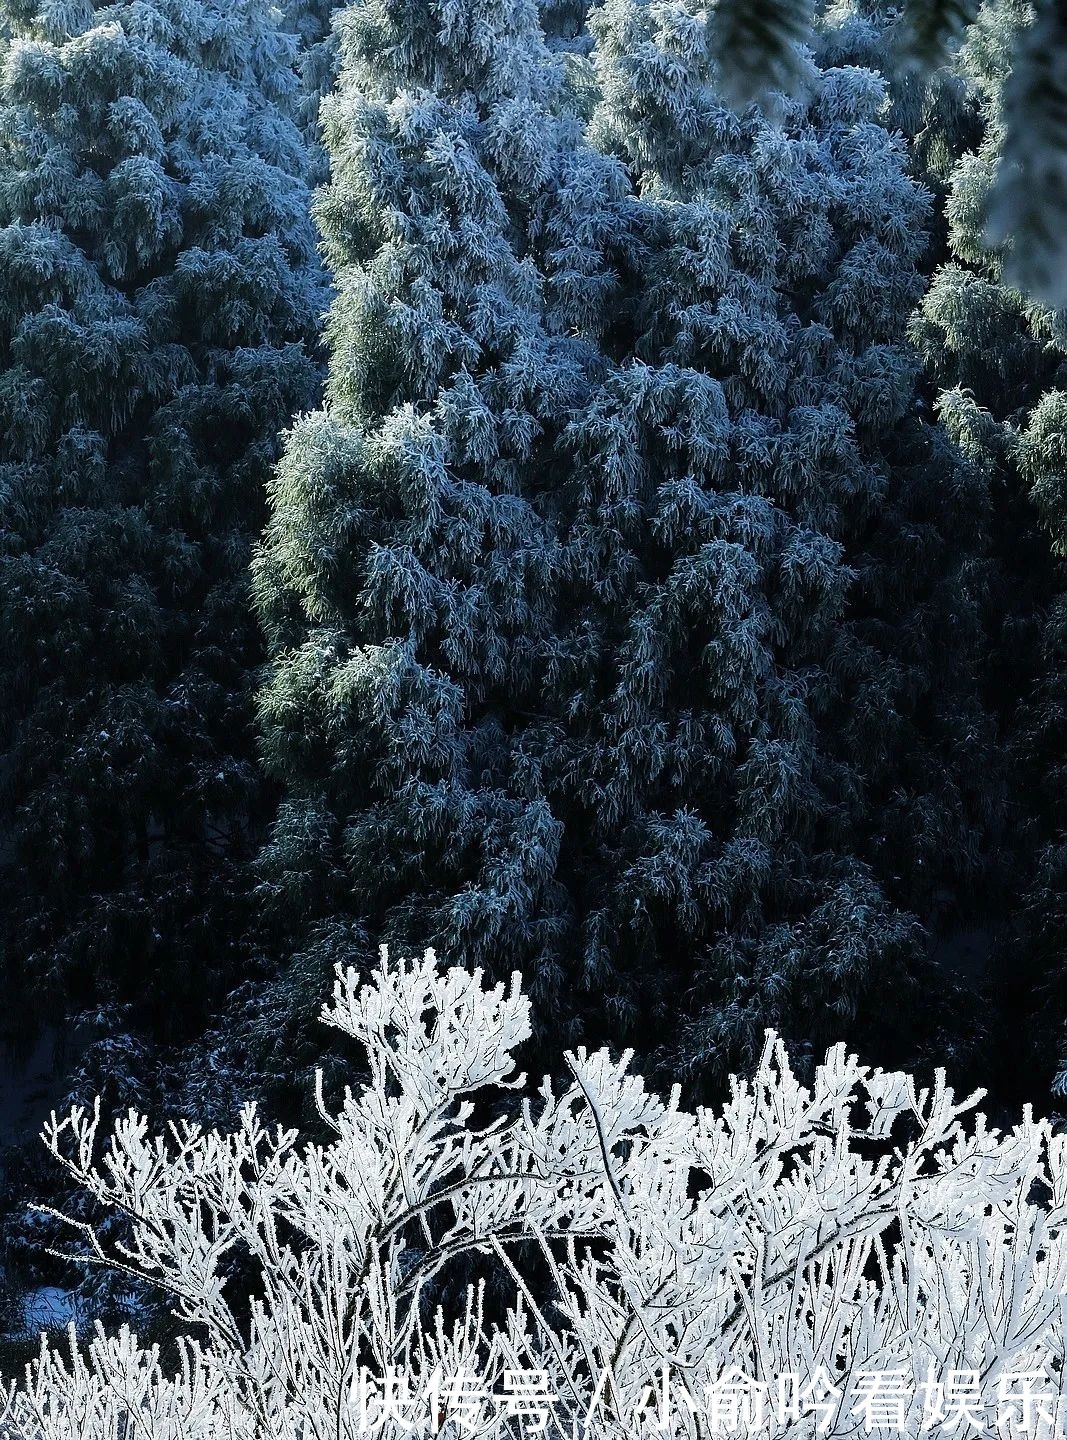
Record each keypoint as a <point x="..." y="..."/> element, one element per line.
<point x="311" y="21"/>
<point x="406" y="582"/>
<point x="976" y="333"/>
<point x="772" y="572"/>
<point x="1026" y="209"/>
<point x="937" y="110"/>
<point x="636" y="656"/>
<point x="858" y="1256"/>
<point x="999" y="362"/>
<point x="158" y="294"/>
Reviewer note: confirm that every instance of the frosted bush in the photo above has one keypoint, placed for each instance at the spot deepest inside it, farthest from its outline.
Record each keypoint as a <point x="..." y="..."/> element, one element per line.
<point x="816" y="1250"/>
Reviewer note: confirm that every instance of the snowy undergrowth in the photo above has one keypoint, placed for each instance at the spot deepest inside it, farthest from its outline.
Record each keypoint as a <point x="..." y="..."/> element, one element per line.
<point x="859" y="1225"/>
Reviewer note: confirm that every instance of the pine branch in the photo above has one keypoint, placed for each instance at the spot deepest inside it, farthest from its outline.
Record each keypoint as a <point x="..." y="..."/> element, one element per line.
<point x="757" y="45"/>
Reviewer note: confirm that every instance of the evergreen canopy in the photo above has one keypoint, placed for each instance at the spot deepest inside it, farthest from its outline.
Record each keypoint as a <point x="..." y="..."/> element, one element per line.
<point x="159" y="288"/>
<point x="620" y="601"/>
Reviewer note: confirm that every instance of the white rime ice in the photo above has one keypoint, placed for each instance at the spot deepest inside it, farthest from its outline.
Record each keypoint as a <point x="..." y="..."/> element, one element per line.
<point x="858" y="1224"/>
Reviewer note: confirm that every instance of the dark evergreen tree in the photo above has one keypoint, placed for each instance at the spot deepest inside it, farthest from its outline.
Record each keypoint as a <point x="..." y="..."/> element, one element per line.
<point x="780" y="722"/>
<point x="406" y="583"/>
<point x="938" y="111"/>
<point x="159" y="288"/>
<point x="621" y="603"/>
<point x="999" y="362"/>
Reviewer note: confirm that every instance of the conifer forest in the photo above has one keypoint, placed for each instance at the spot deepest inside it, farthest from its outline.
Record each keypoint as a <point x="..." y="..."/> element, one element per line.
<point x="533" y="718"/>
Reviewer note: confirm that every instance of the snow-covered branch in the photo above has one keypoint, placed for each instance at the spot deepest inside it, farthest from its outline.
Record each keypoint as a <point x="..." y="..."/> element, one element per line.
<point x="810" y="1235"/>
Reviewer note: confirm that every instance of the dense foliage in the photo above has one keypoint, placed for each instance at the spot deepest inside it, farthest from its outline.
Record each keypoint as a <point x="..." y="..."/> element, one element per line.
<point x="622" y="605"/>
<point x="999" y="362"/>
<point x="1025" y="207"/>
<point x="158" y="299"/>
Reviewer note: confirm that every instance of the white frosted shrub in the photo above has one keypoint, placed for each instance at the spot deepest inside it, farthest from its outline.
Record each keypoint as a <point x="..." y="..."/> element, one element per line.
<point x="810" y="1246"/>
